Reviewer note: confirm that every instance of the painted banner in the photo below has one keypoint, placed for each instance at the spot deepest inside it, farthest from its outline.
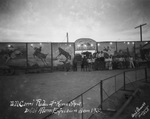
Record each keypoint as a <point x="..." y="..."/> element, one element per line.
<point x="13" y="54"/>
<point x="138" y="51"/>
<point x="62" y="54"/>
<point x="39" y="54"/>
<point x="107" y="47"/>
<point x="125" y="48"/>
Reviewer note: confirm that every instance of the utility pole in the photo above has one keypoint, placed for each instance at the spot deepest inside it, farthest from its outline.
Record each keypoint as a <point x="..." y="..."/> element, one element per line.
<point x="116" y="47"/>
<point x="67" y="38"/>
<point x="140" y="26"/>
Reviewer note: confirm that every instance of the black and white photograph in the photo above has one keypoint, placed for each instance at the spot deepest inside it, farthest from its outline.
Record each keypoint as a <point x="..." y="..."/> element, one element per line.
<point x="74" y="59"/>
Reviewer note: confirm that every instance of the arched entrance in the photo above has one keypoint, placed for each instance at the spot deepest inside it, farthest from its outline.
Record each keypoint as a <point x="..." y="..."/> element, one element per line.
<point x="85" y="45"/>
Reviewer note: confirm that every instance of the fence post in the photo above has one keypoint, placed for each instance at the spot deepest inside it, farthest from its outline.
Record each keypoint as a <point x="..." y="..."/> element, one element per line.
<point x="52" y="57"/>
<point x="124" y="78"/>
<point x="27" y="60"/>
<point x="82" y="105"/>
<point x="146" y="75"/>
<point x="136" y="74"/>
<point x="101" y="94"/>
<point x="115" y="83"/>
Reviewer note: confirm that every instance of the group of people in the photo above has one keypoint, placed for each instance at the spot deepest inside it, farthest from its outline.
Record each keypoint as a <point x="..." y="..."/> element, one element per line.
<point x="87" y="63"/>
<point x="98" y="61"/>
<point x="124" y="62"/>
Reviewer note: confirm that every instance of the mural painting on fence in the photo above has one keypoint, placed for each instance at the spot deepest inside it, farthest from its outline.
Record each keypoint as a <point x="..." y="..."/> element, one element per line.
<point x="139" y="54"/>
<point x="125" y="49"/>
<point x="39" y="54"/>
<point x="13" y="54"/>
<point x="62" y="55"/>
<point x="107" y="48"/>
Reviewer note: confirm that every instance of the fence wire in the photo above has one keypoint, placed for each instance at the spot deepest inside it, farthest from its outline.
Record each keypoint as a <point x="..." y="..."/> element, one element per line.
<point x="93" y="98"/>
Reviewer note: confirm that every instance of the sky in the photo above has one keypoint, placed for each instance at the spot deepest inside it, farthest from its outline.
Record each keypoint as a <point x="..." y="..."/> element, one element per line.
<point x="50" y="20"/>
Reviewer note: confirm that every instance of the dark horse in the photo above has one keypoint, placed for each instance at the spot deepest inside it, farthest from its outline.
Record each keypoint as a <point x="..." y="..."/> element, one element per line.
<point x="66" y="54"/>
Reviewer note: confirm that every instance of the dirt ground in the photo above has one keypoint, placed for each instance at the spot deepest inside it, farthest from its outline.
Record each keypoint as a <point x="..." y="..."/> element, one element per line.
<point x="46" y="86"/>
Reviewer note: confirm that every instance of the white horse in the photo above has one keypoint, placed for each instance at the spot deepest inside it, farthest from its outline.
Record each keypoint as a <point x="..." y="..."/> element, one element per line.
<point x="12" y="55"/>
<point x="37" y="53"/>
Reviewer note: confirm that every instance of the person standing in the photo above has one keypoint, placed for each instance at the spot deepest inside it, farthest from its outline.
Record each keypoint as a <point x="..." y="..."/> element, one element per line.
<point x="82" y="63"/>
<point x="74" y="64"/>
<point x="131" y="62"/>
<point x="89" y="60"/>
<point x="110" y="62"/>
<point x="102" y="60"/>
<point x="85" y="62"/>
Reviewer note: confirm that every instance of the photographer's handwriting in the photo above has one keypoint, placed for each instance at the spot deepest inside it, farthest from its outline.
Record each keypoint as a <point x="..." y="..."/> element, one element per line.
<point x="140" y="111"/>
<point x="41" y="106"/>
<point x="43" y="103"/>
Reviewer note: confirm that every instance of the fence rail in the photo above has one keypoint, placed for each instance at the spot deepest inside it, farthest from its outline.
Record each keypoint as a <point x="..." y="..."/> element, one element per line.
<point x="97" y="94"/>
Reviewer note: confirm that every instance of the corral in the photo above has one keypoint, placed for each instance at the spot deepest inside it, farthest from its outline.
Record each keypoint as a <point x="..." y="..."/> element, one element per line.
<point x="59" y="86"/>
<point x="36" y="96"/>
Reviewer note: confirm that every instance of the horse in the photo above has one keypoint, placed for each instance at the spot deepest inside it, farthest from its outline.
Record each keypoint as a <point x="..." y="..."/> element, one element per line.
<point x="12" y="55"/>
<point x="41" y="56"/>
<point x="63" y="52"/>
<point x="37" y="53"/>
